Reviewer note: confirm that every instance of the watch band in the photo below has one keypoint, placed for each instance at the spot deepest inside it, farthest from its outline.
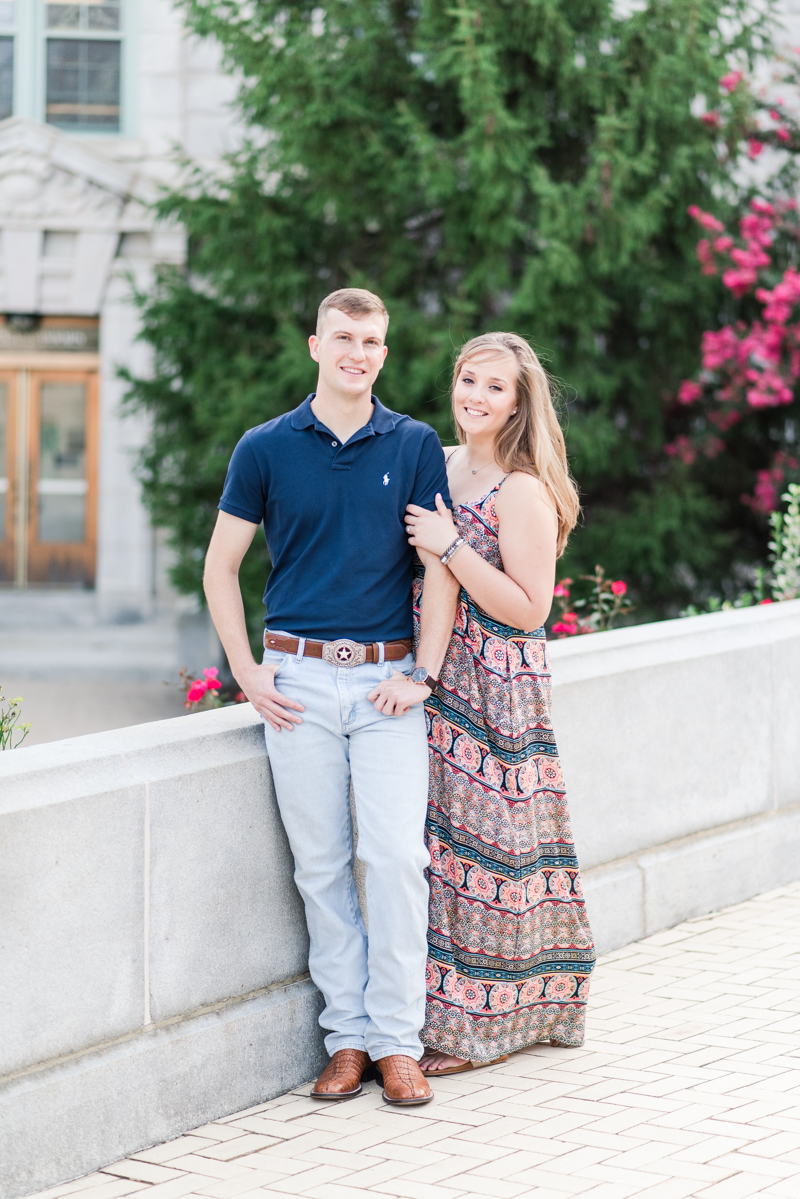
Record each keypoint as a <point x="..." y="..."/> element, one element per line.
<point x="428" y="681"/>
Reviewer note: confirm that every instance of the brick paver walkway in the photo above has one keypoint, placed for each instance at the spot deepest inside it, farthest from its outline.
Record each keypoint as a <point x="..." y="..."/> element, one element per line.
<point x="688" y="1085"/>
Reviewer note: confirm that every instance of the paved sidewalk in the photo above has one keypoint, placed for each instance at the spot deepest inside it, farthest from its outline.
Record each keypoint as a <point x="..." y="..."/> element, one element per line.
<point x="688" y="1085"/>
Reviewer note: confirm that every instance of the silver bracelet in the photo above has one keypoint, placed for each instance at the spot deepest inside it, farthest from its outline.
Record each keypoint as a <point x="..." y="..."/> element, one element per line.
<point x="452" y="549"/>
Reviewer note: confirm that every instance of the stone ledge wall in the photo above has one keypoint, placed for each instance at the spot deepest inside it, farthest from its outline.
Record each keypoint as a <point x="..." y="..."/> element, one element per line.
<point x="154" y="947"/>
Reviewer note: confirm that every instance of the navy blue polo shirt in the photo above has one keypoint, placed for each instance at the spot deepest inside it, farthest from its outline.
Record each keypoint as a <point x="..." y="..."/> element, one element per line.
<point x="333" y="519"/>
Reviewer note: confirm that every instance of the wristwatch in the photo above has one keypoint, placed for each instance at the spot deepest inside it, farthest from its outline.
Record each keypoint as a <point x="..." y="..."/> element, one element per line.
<point x="420" y="675"/>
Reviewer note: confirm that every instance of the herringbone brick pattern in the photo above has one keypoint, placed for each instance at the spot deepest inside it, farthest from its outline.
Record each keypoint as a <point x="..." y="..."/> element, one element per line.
<point x="688" y="1086"/>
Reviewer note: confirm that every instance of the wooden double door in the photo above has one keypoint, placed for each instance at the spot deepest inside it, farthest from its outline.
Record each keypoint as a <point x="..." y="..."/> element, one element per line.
<point x="48" y="488"/>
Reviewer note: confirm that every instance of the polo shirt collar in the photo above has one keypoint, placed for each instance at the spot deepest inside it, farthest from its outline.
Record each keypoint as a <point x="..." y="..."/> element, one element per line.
<point x="382" y="419"/>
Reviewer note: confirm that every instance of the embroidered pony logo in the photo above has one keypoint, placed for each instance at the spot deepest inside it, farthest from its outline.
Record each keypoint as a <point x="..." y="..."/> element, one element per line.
<point x="386" y="479"/>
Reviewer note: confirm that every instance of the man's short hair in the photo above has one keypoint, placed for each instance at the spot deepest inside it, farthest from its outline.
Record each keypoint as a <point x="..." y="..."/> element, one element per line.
<point x="355" y="301"/>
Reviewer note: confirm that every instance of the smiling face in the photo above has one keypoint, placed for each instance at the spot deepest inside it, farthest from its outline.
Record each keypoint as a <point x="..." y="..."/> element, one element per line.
<point x="350" y="352"/>
<point x="485" y="394"/>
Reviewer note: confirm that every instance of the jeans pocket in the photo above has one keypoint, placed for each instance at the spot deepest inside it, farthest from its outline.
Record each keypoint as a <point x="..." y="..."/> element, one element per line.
<point x="275" y="657"/>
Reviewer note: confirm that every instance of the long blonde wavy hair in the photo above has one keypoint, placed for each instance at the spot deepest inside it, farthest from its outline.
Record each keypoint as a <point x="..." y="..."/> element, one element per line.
<point x="532" y="440"/>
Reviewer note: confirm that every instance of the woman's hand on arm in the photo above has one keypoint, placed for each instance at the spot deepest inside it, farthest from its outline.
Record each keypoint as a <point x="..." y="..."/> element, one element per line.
<point x="431" y="531"/>
<point x="521" y="594"/>
<point x="229" y="543"/>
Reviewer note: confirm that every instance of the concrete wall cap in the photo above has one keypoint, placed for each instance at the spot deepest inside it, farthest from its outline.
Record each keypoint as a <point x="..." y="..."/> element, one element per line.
<point x="101" y="762"/>
<point x="640" y="647"/>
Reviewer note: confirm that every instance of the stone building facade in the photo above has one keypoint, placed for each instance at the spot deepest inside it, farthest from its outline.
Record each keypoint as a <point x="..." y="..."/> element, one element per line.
<point x="96" y="96"/>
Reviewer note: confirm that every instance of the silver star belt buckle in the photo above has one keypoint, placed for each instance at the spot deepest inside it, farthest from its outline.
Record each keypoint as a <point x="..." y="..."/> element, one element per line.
<point x="344" y="653"/>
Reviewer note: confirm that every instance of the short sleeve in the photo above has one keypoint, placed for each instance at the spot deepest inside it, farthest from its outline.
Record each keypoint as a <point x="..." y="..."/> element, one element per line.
<point x="244" y="494"/>
<point x="431" y="473"/>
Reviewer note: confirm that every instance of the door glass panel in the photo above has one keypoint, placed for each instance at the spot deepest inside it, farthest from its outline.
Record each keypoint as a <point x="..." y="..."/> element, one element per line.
<point x="3" y="459"/>
<point x="62" y="483"/>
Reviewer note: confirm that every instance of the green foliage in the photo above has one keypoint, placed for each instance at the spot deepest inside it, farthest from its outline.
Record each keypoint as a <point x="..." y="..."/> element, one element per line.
<point x="782" y="577"/>
<point x="785" y="546"/>
<point x="12" y="732"/>
<point x="517" y="164"/>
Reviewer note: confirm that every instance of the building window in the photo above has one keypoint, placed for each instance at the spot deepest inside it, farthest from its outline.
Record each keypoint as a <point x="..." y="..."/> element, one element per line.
<point x="83" y="72"/>
<point x="7" y="16"/>
<point x="6" y="77"/>
<point x="91" y="16"/>
<point x="83" y="84"/>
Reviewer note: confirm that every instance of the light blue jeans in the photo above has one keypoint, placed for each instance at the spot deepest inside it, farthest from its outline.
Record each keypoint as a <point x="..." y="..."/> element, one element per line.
<point x="373" y="986"/>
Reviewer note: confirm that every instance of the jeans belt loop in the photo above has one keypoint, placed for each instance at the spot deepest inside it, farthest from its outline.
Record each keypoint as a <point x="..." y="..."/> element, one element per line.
<point x="301" y="649"/>
<point x="381" y="653"/>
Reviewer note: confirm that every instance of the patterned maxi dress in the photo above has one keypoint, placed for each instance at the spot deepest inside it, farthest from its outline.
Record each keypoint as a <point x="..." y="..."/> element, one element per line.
<point x="509" y="944"/>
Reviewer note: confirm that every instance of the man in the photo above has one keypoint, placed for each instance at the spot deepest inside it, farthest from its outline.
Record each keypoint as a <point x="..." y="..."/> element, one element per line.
<point x="338" y="688"/>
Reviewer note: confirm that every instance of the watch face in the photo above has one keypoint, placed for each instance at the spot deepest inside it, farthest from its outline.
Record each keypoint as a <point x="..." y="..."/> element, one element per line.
<point x="419" y="675"/>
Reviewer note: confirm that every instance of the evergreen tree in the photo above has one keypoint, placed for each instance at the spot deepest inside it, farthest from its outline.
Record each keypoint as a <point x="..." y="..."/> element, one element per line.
<point x="481" y="164"/>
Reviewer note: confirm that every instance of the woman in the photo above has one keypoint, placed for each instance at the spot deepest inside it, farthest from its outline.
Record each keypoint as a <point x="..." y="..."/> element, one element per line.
<point x="510" y="948"/>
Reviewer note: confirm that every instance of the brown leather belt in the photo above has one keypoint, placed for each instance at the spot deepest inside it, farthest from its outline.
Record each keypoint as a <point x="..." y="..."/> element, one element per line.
<point x="342" y="652"/>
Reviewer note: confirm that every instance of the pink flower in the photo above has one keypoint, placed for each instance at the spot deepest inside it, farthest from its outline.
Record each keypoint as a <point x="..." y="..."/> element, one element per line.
<point x="560" y="589"/>
<point x="619" y="588"/>
<point x="754" y="147"/>
<point x="719" y="347"/>
<point x="731" y="81"/>
<point x="196" y="692"/>
<point x="689" y="391"/>
<point x="711" y="119"/>
<point x="212" y="682"/>
<point x="765" y="495"/>
<point x="752" y="258"/>
<point x="562" y="629"/>
<point x="739" y="281"/>
<point x="713" y="446"/>
<point x="724" y="420"/>
<point x="681" y="448"/>
<point x="705" y="219"/>
<point x="763" y="207"/>
<point x="709" y="266"/>
<point x="783" y="134"/>
<point x="723" y="244"/>
<point x="776" y="116"/>
<point x="766" y="601"/>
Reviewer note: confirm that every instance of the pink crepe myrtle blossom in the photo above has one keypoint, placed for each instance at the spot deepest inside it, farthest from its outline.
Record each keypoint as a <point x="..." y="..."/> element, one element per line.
<point x="745" y="365"/>
<point x="739" y="281"/>
<point x="689" y="391"/>
<point x="705" y="219"/>
<point x="719" y="347"/>
<point x="731" y="81"/>
<point x="752" y="258"/>
<point x="754" y="147"/>
<point x="619" y="587"/>
<point x="561" y="589"/>
<point x="713" y="446"/>
<point x="682" y="448"/>
<point x="766" y="495"/>
<point x="783" y="134"/>
<point x="725" y="420"/>
<point x="707" y="264"/>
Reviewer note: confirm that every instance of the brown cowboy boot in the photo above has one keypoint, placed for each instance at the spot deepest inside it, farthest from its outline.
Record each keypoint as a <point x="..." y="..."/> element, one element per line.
<point x="341" y="1078"/>
<point x="403" y="1081"/>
